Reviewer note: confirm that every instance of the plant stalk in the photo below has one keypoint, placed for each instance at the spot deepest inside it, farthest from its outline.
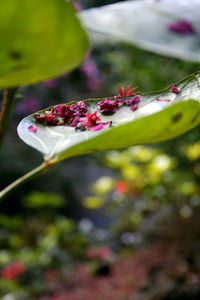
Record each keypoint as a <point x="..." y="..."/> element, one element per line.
<point x="6" y="109"/>
<point x="40" y="169"/>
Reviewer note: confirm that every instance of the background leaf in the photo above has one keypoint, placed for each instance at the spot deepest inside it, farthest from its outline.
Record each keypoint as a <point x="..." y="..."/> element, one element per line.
<point x="39" y="40"/>
<point x="144" y="24"/>
<point x="153" y="121"/>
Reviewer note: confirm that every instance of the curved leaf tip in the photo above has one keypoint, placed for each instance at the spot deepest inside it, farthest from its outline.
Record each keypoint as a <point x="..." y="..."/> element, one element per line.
<point x="165" y="27"/>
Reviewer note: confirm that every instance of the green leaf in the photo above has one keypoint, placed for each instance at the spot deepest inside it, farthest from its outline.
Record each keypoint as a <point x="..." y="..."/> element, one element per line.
<point x="39" y="40"/>
<point x="144" y="24"/>
<point x="153" y="121"/>
<point x="38" y="199"/>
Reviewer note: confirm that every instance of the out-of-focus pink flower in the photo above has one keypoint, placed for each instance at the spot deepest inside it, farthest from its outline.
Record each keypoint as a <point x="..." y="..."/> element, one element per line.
<point x="174" y="89"/>
<point x="76" y="5"/>
<point x="13" y="270"/>
<point x="101" y="253"/>
<point x="51" y="82"/>
<point x="50" y="275"/>
<point x="121" y="187"/>
<point x="56" y="297"/>
<point x="89" y="68"/>
<point x="32" y="128"/>
<point x="94" y="84"/>
<point x="28" y="105"/>
<point x="181" y="26"/>
<point x="92" y="74"/>
<point x="82" y="270"/>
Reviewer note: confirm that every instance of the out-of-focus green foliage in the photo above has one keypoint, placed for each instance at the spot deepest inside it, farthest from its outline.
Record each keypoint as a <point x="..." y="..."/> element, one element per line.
<point x="41" y="248"/>
<point x="39" y="40"/>
<point x="45" y="250"/>
<point x="148" y="180"/>
<point x="38" y="199"/>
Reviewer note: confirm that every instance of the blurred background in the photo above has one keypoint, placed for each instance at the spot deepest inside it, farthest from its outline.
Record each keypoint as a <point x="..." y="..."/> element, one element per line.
<point x="115" y="225"/>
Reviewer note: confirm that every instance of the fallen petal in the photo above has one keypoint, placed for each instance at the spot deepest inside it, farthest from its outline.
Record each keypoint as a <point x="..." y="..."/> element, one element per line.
<point x="32" y="128"/>
<point x="100" y="126"/>
<point x="96" y="127"/>
<point x="174" y="89"/>
<point x="163" y="100"/>
<point x="133" y="107"/>
<point x="182" y="26"/>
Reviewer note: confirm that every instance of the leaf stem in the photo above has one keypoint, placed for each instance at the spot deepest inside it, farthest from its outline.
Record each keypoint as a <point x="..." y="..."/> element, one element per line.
<point x="40" y="169"/>
<point x="6" y="109"/>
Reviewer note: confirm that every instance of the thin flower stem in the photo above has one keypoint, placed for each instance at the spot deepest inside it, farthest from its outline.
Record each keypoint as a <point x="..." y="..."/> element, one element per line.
<point x="40" y="169"/>
<point x="6" y="109"/>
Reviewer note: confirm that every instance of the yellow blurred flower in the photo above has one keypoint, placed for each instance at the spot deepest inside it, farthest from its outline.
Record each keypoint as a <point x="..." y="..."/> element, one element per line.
<point x="103" y="185"/>
<point x="142" y="154"/>
<point x="93" y="202"/>
<point x="130" y="172"/>
<point x="193" y="151"/>
<point x="188" y="188"/>
<point x="162" y="163"/>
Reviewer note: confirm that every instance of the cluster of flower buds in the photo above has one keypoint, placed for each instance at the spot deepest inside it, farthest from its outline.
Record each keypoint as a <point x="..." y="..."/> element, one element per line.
<point x="76" y="115"/>
<point x="63" y="114"/>
<point x="108" y="106"/>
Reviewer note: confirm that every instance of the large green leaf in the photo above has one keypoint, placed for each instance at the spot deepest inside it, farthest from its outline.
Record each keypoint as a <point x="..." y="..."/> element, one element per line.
<point x="145" y="24"/>
<point x="39" y="40"/>
<point x="153" y="121"/>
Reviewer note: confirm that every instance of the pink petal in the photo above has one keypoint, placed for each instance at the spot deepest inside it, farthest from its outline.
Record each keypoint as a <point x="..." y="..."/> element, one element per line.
<point x="133" y="107"/>
<point x="97" y="127"/>
<point x="174" y="89"/>
<point x="163" y="100"/>
<point x="181" y="26"/>
<point x="100" y="126"/>
<point x="32" y="128"/>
